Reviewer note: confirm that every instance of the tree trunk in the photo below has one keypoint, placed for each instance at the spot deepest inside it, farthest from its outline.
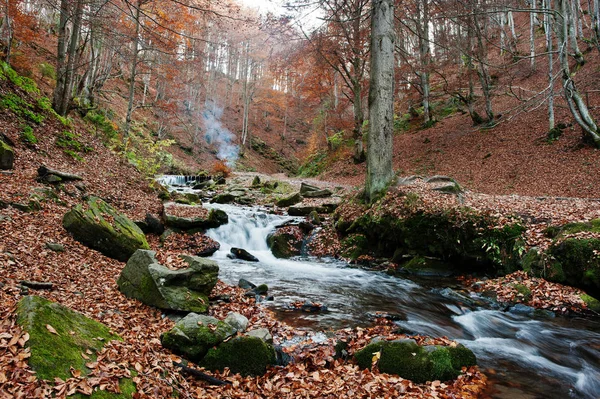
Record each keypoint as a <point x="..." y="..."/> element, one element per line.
<point x="61" y="57"/>
<point x="7" y="26"/>
<point x="532" y="15"/>
<point x="381" y="99"/>
<point x="576" y="104"/>
<point x="136" y="43"/>
<point x="549" y="49"/>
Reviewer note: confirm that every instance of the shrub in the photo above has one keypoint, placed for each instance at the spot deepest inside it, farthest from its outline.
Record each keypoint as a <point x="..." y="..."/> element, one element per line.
<point x="47" y="71"/>
<point x="220" y="167"/>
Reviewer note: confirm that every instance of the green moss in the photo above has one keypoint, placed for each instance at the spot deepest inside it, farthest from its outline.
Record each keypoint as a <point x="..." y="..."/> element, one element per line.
<point x="591" y="302"/>
<point x="23" y="82"/>
<point x="20" y="107"/>
<point x="193" y="335"/>
<point x="416" y="363"/>
<point x="126" y="385"/>
<point x="461" y="356"/>
<point x="577" y="263"/>
<point x="442" y="368"/>
<point x="52" y="355"/>
<point x="523" y="290"/>
<point x="244" y="355"/>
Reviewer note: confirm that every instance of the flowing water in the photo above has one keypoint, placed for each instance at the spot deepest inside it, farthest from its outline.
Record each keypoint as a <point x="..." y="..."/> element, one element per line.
<point x="524" y="356"/>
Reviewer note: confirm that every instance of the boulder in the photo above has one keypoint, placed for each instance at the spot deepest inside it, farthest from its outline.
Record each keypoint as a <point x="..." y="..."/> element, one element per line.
<point x="205" y="184"/>
<point x="416" y="363"/>
<point x="301" y="210"/>
<point x="313" y="218"/>
<point x="237" y="321"/>
<point x="256" y="182"/>
<point x="244" y="355"/>
<point x="318" y="194"/>
<point x="58" y="336"/>
<point x="286" y="242"/>
<point x="7" y="156"/>
<point x="306" y="188"/>
<point x="242" y="254"/>
<point x="155" y="225"/>
<point x="195" y="334"/>
<point x="143" y="278"/>
<point x="102" y="228"/>
<point x="289" y="201"/>
<point x="224" y="198"/>
<point x="215" y="218"/>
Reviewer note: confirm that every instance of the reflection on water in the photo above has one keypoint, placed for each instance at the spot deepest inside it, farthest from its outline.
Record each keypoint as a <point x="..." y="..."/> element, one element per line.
<point x="524" y="357"/>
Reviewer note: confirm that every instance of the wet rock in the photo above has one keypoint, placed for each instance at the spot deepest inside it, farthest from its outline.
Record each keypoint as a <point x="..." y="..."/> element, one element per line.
<point x="313" y="217"/>
<point x="387" y="316"/>
<point x="427" y="267"/>
<point x="242" y="254"/>
<point x="301" y="210"/>
<point x="245" y="284"/>
<point x="521" y="309"/>
<point x="102" y="228"/>
<point x="286" y="242"/>
<point x="143" y="278"/>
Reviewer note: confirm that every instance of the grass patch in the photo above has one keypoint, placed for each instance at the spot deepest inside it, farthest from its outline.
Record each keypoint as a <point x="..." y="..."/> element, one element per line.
<point x="27" y="84"/>
<point x="69" y="142"/>
<point x="27" y="135"/>
<point x="101" y="121"/>
<point x="20" y="107"/>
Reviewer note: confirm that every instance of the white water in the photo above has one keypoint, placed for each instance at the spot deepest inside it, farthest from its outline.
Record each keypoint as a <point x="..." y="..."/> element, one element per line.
<point x="524" y="357"/>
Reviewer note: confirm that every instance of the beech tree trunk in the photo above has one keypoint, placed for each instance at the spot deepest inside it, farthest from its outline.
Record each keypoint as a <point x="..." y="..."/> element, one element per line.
<point x="66" y="56"/>
<point x="381" y="99"/>
<point x="576" y="103"/>
<point x="136" y="43"/>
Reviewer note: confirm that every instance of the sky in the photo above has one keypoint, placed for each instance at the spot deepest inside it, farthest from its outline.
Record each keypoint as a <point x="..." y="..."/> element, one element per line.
<point x="264" y="6"/>
<point x="308" y="18"/>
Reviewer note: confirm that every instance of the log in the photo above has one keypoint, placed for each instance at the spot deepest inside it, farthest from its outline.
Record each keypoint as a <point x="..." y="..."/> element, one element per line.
<point x="200" y="375"/>
<point x="44" y="171"/>
<point x="37" y="285"/>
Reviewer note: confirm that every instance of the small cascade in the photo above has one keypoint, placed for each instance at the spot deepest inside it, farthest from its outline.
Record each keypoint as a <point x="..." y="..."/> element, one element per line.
<point x="181" y="180"/>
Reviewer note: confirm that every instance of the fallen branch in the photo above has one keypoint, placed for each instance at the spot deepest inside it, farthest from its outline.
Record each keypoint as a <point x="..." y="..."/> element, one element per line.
<point x="203" y="376"/>
<point x="37" y="285"/>
<point x="45" y="171"/>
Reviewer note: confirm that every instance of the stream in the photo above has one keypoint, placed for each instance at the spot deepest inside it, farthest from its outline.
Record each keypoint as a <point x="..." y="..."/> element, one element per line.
<point x="524" y="357"/>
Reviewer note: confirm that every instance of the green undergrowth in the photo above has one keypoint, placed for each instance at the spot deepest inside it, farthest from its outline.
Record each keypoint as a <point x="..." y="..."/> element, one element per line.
<point x="25" y="83"/>
<point x="71" y="144"/>
<point x="102" y="123"/>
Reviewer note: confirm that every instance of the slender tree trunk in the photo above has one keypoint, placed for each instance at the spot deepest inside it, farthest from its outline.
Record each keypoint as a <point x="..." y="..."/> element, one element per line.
<point x="549" y="49"/>
<point x="424" y="56"/>
<point x="8" y="27"/>
<point x="381" y="99"/>
<point x="532" y="16"/>
<point x="132" y="76"/>
<point x="61" y="57"/>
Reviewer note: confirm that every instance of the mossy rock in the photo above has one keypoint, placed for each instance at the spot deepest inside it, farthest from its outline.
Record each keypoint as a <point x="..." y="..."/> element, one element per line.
<point x="416" y="363"/>
<point x="143" y="278"/>
<point x="245" y="355"/>
<point x="591" y="302"/>
<point x="7" y="156"/>
<point x="224" y="198"/>
<point x="284" y="243"/>
<point x="289" y="200"/>
<point x="102" y="228"/>
<point x="195" y="334"/>
<point x="576" y="263"/>
<point x="592" y="226"/>
<point x="523" y="290"/>
<point x="53" y="355"/>
<point x="215" y="218"/>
